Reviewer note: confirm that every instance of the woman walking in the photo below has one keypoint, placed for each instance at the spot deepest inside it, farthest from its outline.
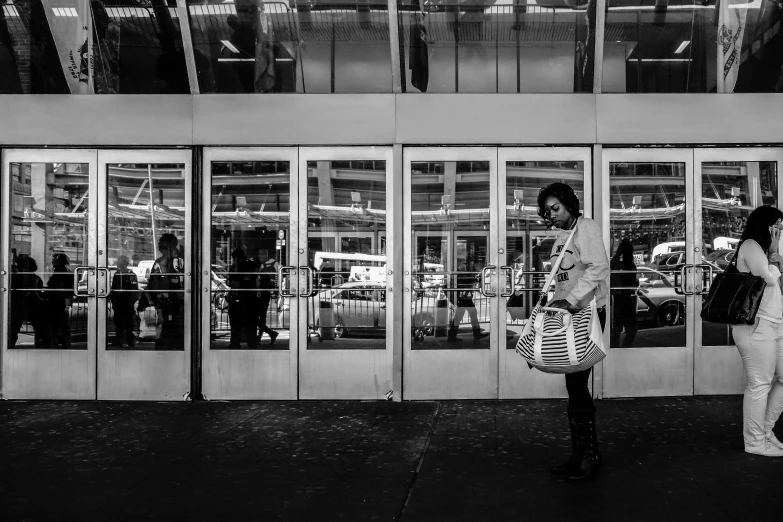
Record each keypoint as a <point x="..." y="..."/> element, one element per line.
<point x="581" y="276"/>
<point x="761" y="345"/>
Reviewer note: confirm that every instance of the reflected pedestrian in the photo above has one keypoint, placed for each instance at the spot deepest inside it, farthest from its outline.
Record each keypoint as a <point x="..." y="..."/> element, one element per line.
<point x="123" y="297"/>
<point x="26" y="301"/>
<point x="242" y="301"/>
<point x="60" y="286"/>
<point x="166" y="293"/>
<point x="266" y="285"/>
<point x="466" y="287"/>
<point x="624" y="297"/>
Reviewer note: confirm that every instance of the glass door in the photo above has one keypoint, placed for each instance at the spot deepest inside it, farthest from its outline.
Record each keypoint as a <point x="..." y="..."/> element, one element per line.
<point x="344" y="331"/>
<point x="652" y="311"/>
<point x="524" y="253"/>
<point x="141" y="283"/>
<point x="731" y="183"/>
<point x="451" y="273"/>
<point x="249" y="252"/>
<point x="49" y="231"/>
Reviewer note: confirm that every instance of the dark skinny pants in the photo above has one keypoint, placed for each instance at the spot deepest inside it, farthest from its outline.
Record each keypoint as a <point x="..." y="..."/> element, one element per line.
<point x="579" y="397"/>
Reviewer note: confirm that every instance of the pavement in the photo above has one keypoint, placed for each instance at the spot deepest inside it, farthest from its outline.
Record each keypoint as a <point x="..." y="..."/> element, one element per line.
<point x="667" y="459"/>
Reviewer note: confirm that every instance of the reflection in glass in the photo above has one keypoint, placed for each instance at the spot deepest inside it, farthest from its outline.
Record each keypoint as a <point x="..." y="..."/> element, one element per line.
<point x="91" y="47"/>
<point x="315" y="46"/>
<point x="650" y="46"/>
<point x="454" y="46"/>
<point x="730" y="192"/>
<point x="146" y="244"/>
<point x="48" y="240"/>
<point x="346" y="253"/>
<point x="450" y="236"/>
<point x="647" y="242"/>
<point x="528" y="241"/>
<point x="251" y="205"/>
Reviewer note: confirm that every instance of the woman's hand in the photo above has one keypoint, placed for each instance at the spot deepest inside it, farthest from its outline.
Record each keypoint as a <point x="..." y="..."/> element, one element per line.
<point x="775" y="233"/>
<point x="775" y="258"/>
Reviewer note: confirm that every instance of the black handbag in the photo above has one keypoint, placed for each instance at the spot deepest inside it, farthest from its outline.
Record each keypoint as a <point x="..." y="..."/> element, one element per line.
<point x="734" y="296"/>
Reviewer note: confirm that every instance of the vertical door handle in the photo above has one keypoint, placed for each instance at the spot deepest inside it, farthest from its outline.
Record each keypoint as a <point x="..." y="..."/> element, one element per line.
<point x="684" y="272"/>
<point x="706" y="272"/>
<point x="90" y="273"/>
<point x="483" y="281"/>
<point x="104" y="288"/>
<point x="310" y="292"/>
<point x="284" y="270"/>
<point x="513" y="284"/>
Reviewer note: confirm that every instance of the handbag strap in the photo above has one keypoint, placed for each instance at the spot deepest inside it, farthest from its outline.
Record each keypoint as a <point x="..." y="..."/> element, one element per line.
<point x="556" y="265"/>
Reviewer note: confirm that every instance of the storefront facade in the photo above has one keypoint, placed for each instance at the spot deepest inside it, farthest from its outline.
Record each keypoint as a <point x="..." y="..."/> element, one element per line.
<point x="348" y="224"/>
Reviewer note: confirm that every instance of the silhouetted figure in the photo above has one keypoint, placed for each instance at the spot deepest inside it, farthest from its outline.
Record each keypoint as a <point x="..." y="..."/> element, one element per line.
<point x="60" y="286"/>
<point x="27" y="303"/>
<point x="123" y="297"/>
<point x="265" y="285"/>
<point x="624" y="298"/>
<point x="165" y="291"/>
<point x="242" y="300"/>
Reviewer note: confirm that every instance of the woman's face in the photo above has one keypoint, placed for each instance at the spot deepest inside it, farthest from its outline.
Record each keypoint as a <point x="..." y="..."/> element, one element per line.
<point x="558" y="214"/>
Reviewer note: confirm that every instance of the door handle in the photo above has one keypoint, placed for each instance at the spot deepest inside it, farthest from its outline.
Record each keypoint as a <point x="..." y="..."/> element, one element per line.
<point x="513" y="283"/>
<point x="678" y="283"/>
<point x="483" y="283"/>
<point x="104" y="288"/>
<point x="283" y="270"/>
<point x="310" y="292"/>
<point x="90" y="273"/>
<point x="706" y="272"/>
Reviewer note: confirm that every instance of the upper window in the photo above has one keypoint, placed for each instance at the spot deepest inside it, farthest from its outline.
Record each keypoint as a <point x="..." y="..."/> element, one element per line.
<point x="91" y="47"/>
<point x="305" y="46"/>
<point x="692" y="46"/>
<point x="506" y="46"/>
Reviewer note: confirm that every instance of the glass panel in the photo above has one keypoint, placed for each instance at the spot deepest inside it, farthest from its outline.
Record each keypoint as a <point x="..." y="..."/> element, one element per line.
<point x="86" y="47"/>
<point x="453" y="46"/>
<point x="729" y="193"/>
<point x="652" y="46"/>
<point x="48" y="240"/>
<point x="251" y="205"/>
<point x="528" y="241"/>
<point x="146" y="257"/>
<point x="345" y="249"/>
<point x="313" y="46"/>
<point x="29" y="63"/>
<point x="450" y="237"/>
<point x="647" y="235"/>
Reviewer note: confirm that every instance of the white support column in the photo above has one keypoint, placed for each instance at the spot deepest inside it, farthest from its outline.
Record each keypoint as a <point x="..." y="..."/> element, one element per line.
<point x="396" y="281"/>
<point x="598" y="53"/>
<point x="394" y="47"/>
<point x="187" y="45"/>
<point x="600" y="208"/>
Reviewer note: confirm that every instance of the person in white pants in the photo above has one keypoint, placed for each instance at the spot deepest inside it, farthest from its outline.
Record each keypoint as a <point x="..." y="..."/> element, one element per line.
<point x="761" y="345"/>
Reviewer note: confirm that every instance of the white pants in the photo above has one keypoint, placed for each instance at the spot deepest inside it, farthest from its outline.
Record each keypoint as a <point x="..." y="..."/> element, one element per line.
<point x="761" y="349"/>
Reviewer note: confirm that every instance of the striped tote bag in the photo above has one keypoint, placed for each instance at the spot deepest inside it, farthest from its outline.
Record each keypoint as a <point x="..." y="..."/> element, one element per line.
<point x="558" y="341"/>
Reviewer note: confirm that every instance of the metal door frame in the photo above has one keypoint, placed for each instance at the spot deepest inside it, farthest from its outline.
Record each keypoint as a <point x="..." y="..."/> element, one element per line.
<point x="29" y="373"/>
<point x="345" y="373"/>
<point x="718" y="369"/>
<point x="249" y="374"/>
<point x="660" y="371"/>
<point x="516" y="380"/>
<point x="449" y="373"/>
<point x="138" y="374"/>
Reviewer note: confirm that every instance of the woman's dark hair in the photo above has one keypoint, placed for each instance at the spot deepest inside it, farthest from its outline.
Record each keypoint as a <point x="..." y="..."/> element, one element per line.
<point x="564" y="193"/>
<point x="757" y="226"/>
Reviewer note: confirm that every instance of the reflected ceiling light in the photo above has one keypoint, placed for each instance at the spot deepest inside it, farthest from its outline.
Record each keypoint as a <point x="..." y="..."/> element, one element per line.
<point x="755" y="4"/>
<point x="682" y="46"/>
<point x="236" y="59"/>
<point x="661" y="60"/>
<point x="65" y="12"/>
<point x="10" y="10"/>
<point x="231" y="47"/>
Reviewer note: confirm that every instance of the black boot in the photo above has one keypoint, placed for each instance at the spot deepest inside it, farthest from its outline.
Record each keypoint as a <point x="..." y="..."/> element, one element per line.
<point x="576" y="455"/>
<point x="590" y="461"/>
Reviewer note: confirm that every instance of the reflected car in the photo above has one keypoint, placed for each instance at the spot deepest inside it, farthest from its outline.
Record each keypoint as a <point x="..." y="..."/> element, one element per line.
<point x="658" y="304"/>
<point x="360" y="307"/>
<point x="721" y="257"/>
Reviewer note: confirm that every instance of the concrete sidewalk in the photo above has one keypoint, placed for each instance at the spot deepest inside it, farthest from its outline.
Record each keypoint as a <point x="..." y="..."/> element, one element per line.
<point x="666" y="460"/>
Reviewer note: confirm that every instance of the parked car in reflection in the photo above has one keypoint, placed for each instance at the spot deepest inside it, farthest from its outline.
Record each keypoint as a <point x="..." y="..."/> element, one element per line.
<point x="360" y="308"/>
<point x="658" y="304"/>
<point x="722" y="257"/>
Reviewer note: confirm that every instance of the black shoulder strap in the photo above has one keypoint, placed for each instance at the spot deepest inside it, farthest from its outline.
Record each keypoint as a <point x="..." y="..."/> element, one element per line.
<point x="736" y="255"/>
